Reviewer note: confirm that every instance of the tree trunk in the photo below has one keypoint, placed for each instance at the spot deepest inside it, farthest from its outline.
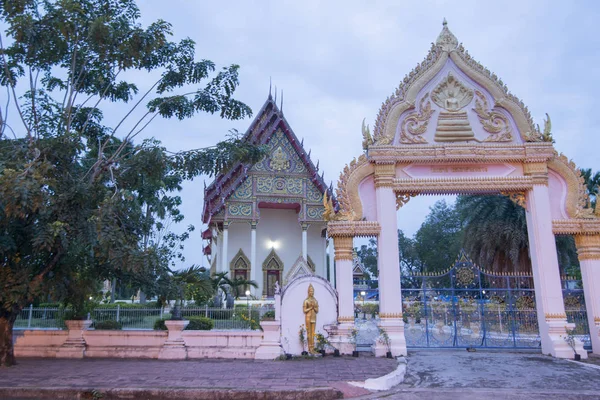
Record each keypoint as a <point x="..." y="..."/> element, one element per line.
<point x="7" y="355"/>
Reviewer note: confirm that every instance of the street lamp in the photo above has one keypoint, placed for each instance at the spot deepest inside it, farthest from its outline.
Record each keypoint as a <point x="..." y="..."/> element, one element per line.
<point x="248" y="302"/>
<point x="363" y="293"/>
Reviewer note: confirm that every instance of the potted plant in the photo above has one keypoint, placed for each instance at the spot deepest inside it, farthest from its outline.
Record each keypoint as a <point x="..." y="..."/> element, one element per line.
<point x="570" y="339"/>
<point x="352" y="336"/>
<point x="322" y="344"/>
<point x="385" y="340"/>
<point x="268" y="316"/>
<point x="303" y="340"/>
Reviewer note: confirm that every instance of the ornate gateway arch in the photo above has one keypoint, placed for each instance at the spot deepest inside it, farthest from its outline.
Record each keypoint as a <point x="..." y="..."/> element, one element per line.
<point x="452" y="127"/>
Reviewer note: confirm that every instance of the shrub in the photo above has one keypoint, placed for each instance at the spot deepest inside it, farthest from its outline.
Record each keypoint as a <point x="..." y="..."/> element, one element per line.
<point x="49" y="305"/>
<point x="268" y="316"/>
<point x="199" y="324"/>
<point x="125" y="305"/>
<point x="109" y="324"/>
<point x="159" y="325"/>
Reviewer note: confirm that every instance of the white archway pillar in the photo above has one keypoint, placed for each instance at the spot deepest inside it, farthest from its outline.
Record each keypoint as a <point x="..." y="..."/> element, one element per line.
<point x="254" y="270"/>
<point x="588" y="250"/>
<point x="305" y="226"/>
<point x="552" y="319"/>
<point x="388" y="262"/>
<point x="332" y="263"/>
<point x="225" y="255"/>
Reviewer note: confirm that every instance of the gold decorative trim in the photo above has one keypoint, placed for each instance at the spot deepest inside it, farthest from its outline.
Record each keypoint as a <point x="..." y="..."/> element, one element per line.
<point x="576" y="226"/>
<point x="343" y="248"/>
<point x="597" y="320"/>
<point x="577" y="203"/>
<point x="463" y="152"/>
<point x="403" y="198"/>
<point x="516" y="197"/>
<point x="535" y="168"/>
<point x="588" y="247"/>
<point x="463" y="185"/>
<point x="556" y="316"/>
<point x="390" y="315"/>
<point x="345" y="319"/>
<point x="353" y="228"/>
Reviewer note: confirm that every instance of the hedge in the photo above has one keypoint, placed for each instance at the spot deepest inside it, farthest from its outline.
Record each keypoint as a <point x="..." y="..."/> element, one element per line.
<point x="199" y="324"/>
<point x="109" y="324"/>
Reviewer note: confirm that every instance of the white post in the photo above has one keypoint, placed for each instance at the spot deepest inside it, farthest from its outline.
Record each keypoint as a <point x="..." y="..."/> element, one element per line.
<point x="30" y="315"/>
<point x="388" y="262"/>
<point x="588" y="250"/>
<point x="254" y="273"/>
<point x="323" y="270"/>
<point x="305" y="241"/>
<point x="224" y="257"/>
<point x="118" y="311"/>
<point x="332" y="263"/>
<point x="552" y="319"/>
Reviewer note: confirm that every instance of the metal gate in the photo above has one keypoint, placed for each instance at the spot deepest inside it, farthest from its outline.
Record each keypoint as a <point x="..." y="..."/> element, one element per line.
<point x="465" y="306"/>
<point x="575" y="308"/>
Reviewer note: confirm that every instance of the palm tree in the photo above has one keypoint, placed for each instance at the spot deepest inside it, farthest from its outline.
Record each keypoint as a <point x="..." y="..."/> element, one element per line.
<point x="495" y="235"/>
<point x="495" y="232"/>
<point x="193" y="279"/>
<point x="592" y="183"/>
<point x="235" y="286"/>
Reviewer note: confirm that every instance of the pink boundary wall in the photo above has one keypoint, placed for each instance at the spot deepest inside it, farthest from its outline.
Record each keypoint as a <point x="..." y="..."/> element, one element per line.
<point x="138" y="344"/>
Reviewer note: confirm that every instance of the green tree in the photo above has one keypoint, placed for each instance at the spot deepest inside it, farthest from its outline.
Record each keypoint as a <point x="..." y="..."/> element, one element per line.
<point x="79" y="200"/>
<point x="367" y="254"/>
<point x="410" y="262"/>
<point x="439" y="239"/>
<point x="592" y="183"/>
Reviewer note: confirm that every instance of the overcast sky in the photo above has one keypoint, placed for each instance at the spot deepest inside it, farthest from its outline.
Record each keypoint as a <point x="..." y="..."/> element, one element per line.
<point x="337" y="61"/>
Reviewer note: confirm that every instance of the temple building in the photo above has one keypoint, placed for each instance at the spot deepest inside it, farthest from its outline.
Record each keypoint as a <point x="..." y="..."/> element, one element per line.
<point x="265" y="221"/>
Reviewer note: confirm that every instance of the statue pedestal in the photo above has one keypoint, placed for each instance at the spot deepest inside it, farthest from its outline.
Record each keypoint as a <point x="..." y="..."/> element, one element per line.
<point x="560" y="347"/>
<point x="74" y="346"/>
<point x="339" y="337"/>
<point x="270" y="347"/>
<point x="174" y="347"/>
<point x="395" y="330"/>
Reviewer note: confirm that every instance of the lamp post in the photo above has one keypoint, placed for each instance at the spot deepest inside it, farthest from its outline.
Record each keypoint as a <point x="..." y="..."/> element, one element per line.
<point x="363" y="293"/>
<point x="248" y="302"/>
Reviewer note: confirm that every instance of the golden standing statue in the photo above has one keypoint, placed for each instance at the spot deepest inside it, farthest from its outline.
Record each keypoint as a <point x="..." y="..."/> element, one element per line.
<point x="310" y="308"/>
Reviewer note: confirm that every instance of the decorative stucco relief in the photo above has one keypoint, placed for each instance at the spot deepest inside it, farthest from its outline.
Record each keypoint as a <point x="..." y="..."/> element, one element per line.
<point x="415" y="124"/>
<point x="350" y="206"/>
<point x="578" y="201"/>
<point x="493" y="122"/>
<point x="446" y="47"/>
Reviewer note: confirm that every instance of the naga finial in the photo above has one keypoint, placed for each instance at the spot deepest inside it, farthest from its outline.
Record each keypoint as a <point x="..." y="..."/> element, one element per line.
<point x="366" y="133"/>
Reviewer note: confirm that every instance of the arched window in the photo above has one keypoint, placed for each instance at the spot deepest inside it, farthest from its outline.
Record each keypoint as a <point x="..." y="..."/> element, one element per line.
<point x="240" y="269"/>
<point x="272" y="272"/>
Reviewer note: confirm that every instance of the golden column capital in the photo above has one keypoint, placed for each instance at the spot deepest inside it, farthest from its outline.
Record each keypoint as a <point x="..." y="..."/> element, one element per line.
<point x="538" y="172"/>
<point x="385" y="174"/>
<point x="343" y="247"/>
<point x="588" y="247"/>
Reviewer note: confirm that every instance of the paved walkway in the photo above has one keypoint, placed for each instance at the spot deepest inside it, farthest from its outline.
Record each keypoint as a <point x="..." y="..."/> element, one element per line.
<point x="102" y="374"/>
<point x="458" y="374"/>
<point x="446" y="375"/>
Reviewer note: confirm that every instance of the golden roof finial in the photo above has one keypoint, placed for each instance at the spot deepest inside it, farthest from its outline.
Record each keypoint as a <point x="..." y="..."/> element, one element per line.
<point x="446" y="39"/>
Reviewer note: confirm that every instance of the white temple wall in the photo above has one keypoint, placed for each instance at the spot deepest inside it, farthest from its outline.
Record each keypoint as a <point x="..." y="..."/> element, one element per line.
<point x="281" y="229"/>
